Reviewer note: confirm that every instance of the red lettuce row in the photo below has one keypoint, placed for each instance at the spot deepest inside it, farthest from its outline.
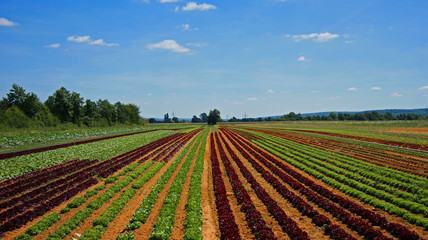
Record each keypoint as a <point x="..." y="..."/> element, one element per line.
<point x="287" y="224"/>
<point x="376" y="219"/>
<point x="228" y="227"/>
<point x="253" y="216"/>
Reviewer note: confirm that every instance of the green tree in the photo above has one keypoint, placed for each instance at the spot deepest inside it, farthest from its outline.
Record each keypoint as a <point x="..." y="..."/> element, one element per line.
<point x="196" y="119"/>
<point x="60" y="106"/>
<point x="332" y="116"/>
<point x="132" y="113"/>
<point x="204" y="117"/>
<point x="28" y="103"/>
<point x="107" y="111"/>
<point x="16" y="118"/>
<point x="213" y="117"/>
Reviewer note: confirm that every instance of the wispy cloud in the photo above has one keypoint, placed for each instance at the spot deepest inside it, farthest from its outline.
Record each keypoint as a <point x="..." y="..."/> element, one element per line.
<point x="353" y="89"/>
<point x="317" y="37"/>
<point x="252" y="99"/>
<point x="79" y="39"/>
<point x="149" y="94"/>
<point x="314" y="91"/>
<point x="376" y="88"/>
<point x="168" y="1"/>
<point x="301" y="59"/>
<point x="270" y="91"/>
<point x="169" y="45"/>
<point x="192" y="6"/>
<point x="423" y="88"/>
<point x="7" y="23"/>
<point x="396" y="95"/>
<point x="87" y="39"/>
<point x="53" y="45"/>
<point x="102" y="43"/>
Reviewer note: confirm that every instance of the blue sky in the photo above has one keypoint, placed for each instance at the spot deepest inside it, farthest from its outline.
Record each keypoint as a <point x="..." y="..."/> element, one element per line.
<point x="253" y="57"/>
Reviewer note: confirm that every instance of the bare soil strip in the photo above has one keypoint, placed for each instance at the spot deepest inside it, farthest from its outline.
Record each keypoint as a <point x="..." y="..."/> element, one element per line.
<point x="210" y="228"/>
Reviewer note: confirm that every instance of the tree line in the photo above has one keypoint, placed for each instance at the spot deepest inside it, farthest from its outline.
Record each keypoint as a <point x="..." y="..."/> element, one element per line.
<point x="21" y="109"/>
<point x="367" y="116"/>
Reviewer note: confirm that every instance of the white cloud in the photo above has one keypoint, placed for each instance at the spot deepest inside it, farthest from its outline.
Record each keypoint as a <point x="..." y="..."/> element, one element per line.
<point x="349" y="41"/>
<point x="192" y="6"/>
<point x="333" y="98"/>
<point x="317" y="37"/>
<point x="186" y="27"/>
<point x="376" y="88"/>
<point x="169" y="45"/>
<point x="149" y="94"/>
<point x="271" y="91"/>
<point x="237" y="103"/>
<point x="102" y="43"/>
<point x="7" y="23"/>
<point x="53" y="45"/>
<point x="87" y="39"/>
<point x="353" y="89"/>
<point x="168" y="1"/>
<point x="252" y="99"/>
<point x="423" y="88"/>
<point x="396" y="95"/>
<point x="301" y="59"/>
<point x="315" y="91"/>
<point x="79" y="39"/>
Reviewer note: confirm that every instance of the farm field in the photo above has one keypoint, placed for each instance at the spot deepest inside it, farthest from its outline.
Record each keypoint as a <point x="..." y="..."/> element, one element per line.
<point x="233" y="181"/>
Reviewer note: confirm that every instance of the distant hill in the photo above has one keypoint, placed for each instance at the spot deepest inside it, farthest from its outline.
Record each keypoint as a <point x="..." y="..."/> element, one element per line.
<point x="395" y="112"/>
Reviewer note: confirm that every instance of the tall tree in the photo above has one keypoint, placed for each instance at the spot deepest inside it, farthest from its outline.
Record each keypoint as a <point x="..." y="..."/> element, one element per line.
<point x="204" y="117"/>
<point x="60" y="106"/>
<point x="213" y="117"/>
<point x="28" y="103"/>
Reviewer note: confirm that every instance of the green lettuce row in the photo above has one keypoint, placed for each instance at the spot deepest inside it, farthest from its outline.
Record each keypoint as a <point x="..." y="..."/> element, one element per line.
<point x="395" y="179"/>
<point x="339" y="166"/>
<point x="166" y="218"/>
<point x="321" y="167"/>
<point x="84" y="213"/>
<point x="101" y="150"/>
<point x="101" y="223"/>
<point x="193" y="222"/>
<point x="405" y="178"/>
<point x="385" y="206"/>
<point x="143" y="212"/>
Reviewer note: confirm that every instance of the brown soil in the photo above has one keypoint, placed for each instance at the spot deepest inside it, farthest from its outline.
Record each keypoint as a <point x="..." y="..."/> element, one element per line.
<point x="210" y="228"/>
<point x="410" y="130"/>
<point x="393" y="218"/>
<point x="244" y="230"/>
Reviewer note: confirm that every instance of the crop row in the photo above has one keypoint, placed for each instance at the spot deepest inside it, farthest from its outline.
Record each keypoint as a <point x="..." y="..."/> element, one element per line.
<point x="305" y="208"/>
<point x="355" y="223"/>
<point x="193" y="221"/>
<point x="102" y="150"/>
<point x="228" y="227"/>
<point x="372" y="155"/>
<point x="84" y="213"/>
<point x="414" y="195"/>
<point x="253" y="217"/>
<point x="36" y="150"/>
<point x="349" y="187"/>
<point x="166" y="218"/>
<point x="375" y="219"/>
<point x="142" y="213"/>
<point x="387" y="176"/>
<point x="406" y="181"/>
<point x="115" y="164"/>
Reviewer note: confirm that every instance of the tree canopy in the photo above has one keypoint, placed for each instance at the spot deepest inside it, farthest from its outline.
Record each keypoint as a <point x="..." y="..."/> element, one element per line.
<point x="213" y="117"/>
